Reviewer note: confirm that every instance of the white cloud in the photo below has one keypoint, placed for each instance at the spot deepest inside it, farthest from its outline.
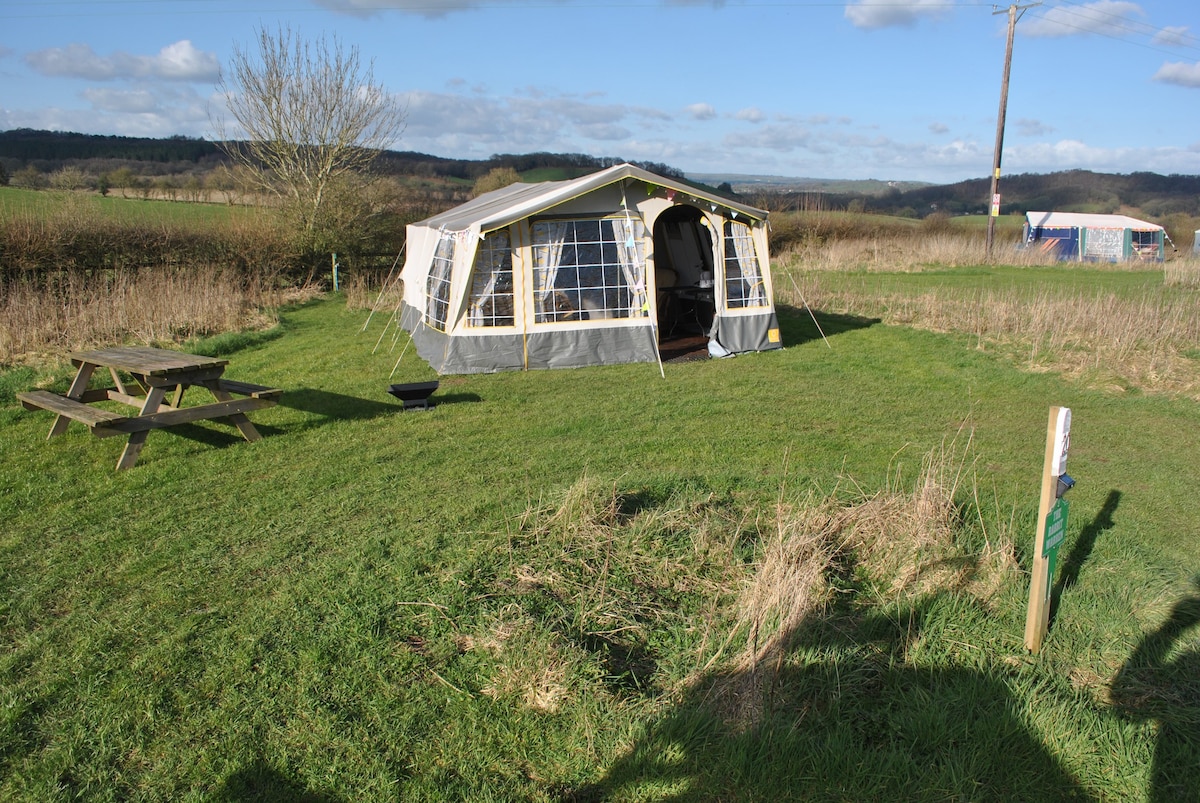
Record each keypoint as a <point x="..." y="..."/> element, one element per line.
<point x="475" y="128"/>
<point x="1180" y="73"/>
<point x="939" y="128"/>
<point x="607" y="132"/>
<point x="143" y="112"/>
<point x="135" y="101"/>
<point x="1174" y="36"/>
<point x="1028" y="127"/>
<point x="701" y="111"/>
<point x="180" y="61"/>
<point x="183" y="62"/>
<point x="1105" y="17"/>
<point x="432" y="9"/>
<point x="424" y="8"/>
<point x="872" y="15"/>
<point x="783" y="139"/>
<point x="750" y="115"/>
<point x="1070" y="154"/>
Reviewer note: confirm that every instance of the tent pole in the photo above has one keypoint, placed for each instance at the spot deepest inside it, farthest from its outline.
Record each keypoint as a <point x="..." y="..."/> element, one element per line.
<point x="645" y="284"/>
<point x="657" y="353"/>
<point x="810" y="312"/>
<point x="383" y="290"/>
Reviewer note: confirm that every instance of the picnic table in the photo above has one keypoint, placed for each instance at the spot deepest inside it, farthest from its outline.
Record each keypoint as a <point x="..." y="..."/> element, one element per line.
<point x="156" y="373"/>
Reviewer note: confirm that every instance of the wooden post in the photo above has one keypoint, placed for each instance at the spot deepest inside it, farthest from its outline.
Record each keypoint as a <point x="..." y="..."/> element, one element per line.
<point x="334" y="269"/>
<point x="1014" y="12"/>
<point x="1037" y="619"/>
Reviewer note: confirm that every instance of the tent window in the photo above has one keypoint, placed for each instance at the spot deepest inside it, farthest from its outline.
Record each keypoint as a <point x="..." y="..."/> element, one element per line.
<point x="589" y="269"/>
<point x="1144" y="243"/>
<point x="437" y="290"/>
<point x="492" y="286"/>
<point x="1104" y="244"/>
<point x="744" y="285"/>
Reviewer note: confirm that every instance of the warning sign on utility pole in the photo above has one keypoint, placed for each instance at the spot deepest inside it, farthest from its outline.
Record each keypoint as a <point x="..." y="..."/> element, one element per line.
<point x="1051" y="525"/>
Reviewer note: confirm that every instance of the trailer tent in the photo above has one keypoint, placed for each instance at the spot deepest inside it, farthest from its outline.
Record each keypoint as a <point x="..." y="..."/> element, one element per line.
<point x="593" y="270"/>
<point x="1079" y="237"/>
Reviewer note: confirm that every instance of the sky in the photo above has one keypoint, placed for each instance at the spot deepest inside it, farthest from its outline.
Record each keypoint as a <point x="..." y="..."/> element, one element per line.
<point x="898" y="91"/>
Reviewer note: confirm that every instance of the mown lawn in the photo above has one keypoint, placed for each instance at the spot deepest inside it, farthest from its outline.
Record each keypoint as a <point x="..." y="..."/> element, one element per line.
<point x="372" y="604"/>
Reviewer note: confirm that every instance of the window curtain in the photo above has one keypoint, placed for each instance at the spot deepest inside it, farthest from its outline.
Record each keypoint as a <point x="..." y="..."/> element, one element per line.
<point x="489" y="265"/>
<point x="743" y="246"/>
<point x="438" y="287"/>
<point x="549" y="238"/>
<point x="628" y="234"/>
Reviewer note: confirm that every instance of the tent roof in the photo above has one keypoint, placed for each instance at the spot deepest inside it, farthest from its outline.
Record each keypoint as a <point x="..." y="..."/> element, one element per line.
<point x="499" y="208"/>
<point x="1083" y="220"/>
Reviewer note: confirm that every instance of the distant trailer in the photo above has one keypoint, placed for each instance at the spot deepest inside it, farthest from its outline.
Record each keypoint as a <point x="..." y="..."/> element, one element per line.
<point x="1196" y="244"/>
<point x="1080" y="237"/>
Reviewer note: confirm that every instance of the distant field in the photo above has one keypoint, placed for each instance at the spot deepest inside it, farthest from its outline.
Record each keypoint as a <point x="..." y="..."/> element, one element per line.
<point x="15" y="202"/>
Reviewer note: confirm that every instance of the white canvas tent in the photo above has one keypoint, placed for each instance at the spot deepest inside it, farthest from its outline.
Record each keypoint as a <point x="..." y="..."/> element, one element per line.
<point x="593" y="270"/>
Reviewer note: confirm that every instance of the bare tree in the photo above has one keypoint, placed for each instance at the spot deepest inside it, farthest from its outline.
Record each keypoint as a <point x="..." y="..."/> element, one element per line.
<point x="310" y="120"/>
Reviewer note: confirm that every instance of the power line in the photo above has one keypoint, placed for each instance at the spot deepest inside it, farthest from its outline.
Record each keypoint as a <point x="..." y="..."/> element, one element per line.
<point x="1087" y="17"/>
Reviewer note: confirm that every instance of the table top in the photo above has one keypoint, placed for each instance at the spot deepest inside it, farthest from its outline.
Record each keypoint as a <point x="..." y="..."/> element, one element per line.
<point x="147" y="361"/>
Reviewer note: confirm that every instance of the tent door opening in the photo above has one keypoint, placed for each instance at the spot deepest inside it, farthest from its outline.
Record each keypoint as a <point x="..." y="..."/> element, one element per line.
<point x="683" y="271"/>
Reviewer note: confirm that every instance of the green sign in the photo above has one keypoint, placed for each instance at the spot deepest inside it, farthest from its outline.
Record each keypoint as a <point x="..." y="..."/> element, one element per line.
<point x="1056" y="531"/>
<point x="1056" y="527"/>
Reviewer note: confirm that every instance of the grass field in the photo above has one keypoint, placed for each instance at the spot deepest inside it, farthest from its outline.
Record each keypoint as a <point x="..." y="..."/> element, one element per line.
<point x="22" y="203"/>
<point x="793" y="575"/>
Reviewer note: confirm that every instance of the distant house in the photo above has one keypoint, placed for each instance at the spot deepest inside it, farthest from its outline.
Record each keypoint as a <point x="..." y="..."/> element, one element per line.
<point x="1081" y="237"/>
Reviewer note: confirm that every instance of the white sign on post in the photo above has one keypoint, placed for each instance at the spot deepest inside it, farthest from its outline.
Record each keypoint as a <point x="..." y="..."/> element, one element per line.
<point x="1062" y="441"/>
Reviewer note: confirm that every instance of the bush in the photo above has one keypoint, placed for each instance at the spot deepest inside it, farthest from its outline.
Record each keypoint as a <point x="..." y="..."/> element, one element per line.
<point x="496" y="179"/>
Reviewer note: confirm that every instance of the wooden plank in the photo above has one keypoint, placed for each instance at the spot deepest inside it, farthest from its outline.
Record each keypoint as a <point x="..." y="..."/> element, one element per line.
<point x="170" y="417"/>
<point x="69" y="408"/>
<point x="147" y="361"/>
<point x="248" y="389"/>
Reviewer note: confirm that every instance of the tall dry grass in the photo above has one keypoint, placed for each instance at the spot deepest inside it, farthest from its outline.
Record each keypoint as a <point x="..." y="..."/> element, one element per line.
<point x="1148" y="341"/>
<point x="602" y="573"/>
<point x="75" y="274"/>
<point x="905" y="252"/>
<point x="905" y="538"/>
<point x="76" y="309"/>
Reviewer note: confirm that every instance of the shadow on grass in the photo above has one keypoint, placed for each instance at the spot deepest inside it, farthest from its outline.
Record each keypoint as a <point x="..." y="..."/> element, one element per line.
<point x="260" y="783"/>
<point x="229" y="343"/>
<point x="1082" y="550"/>
<point x="797" y="326"/>
<point x="842" y="714"/>
<point x="340" y="407"/>
<point x="1161" y="683"/>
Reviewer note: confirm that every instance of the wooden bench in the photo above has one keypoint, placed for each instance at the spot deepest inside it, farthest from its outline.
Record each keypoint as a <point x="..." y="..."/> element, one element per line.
<point x="97" y="420"/>
<point x="247" y="389"/>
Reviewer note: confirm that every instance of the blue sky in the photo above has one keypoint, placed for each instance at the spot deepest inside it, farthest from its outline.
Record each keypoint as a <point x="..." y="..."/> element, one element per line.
<point x="884" y="90"/>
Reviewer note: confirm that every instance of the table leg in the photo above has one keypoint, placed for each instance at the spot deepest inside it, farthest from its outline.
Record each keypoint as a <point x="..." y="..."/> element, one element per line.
<point x="78" y="386"/>
<point x="239" y="419"/>
<point x="133" y="448"/>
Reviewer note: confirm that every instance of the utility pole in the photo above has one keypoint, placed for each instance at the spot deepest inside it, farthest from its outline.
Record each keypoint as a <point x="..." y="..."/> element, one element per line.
<point x="1014" y="13"/>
